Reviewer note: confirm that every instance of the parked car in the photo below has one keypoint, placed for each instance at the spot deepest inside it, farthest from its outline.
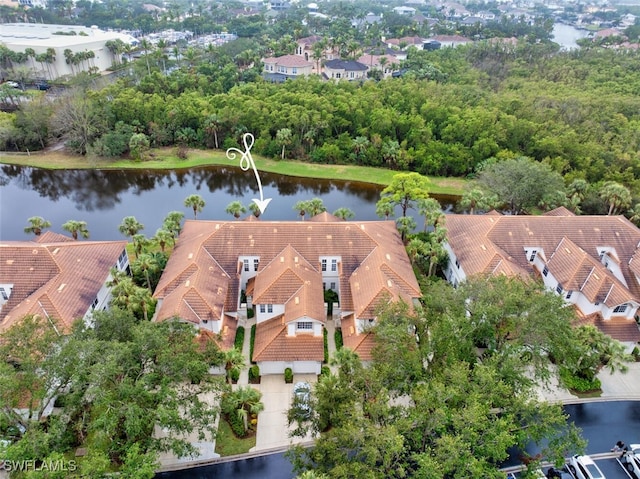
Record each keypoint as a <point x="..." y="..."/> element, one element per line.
<point x="13" y="84"/>
<point x="630" y="459"/>
<point x="583" y="467"/>
<point x="301" y="398"/>
<point x="42" y="85"/>
<point x="553" y="473"/>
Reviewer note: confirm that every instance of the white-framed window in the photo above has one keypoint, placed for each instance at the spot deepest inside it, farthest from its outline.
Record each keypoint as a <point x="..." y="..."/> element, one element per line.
<point x="457" y="264"/>
<point x="338" y="75"/>
<point x="533" y="255"/>
<point x="256" y="263"/>
<point x="122" y="259"/>
<point x="545" y="271"/>
<point x="263" y="308"/>
<point x="620" y="309"/>
<point x="569" y="293"/>
<point x="304" y="325"/>
<point x="294" y="71"/>
<point x="246" y="264"/>
<point x="333" y="286"/>
<point x="4" y="294"/>
<point x="334" y="265"/>
<point x="559" y="288"/>
<point x="324" y="264"/>
<point x="269" y="308"/>
<point x="94" y="304"/>
<point x="352" y="74"/>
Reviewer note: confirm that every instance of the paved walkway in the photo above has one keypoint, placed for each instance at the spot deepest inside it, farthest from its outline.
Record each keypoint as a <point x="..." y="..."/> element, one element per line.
<point x="615" y="387"/>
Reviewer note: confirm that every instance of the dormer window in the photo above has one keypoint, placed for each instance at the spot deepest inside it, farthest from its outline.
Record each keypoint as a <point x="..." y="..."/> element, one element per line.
<point x="533" y="255"/>
<point x="334" y="265"/>
<point x="323" y="265"/>
<point x="246" y="264"/>
<point x="620" y="309"/>
<point x="256" y="263"/>
<point x="545" y="271"/>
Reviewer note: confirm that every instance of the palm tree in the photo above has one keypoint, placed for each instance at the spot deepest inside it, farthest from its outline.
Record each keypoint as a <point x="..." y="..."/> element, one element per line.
<point x="405" y="225"/>
<point x="416" y="249"/>
<point x="284" y="137"/>
<point x="234" y="360"/>
<point x="634" y="214"/>
<point x="385" y="208"/>
<point x="235" y="208"/>
<point x="431" y="209"/>
<point x="616" y="195"/>
<point x="172" y="223"/>
<point x="162" y="237"/>
<point x="36" y="225"/>
<point x="301" y="207"/>
<point x="139" y="241"/>
<point x="196" y="202"/>
<point x="146" y="263"/>
<point x="243" y="402"/>
<point x="130" y="226"/>
<point x="315" y="206"/>
<point x="255" y="209"/>
<point x="74" y="227"/>
<point x="476" y="199"/>
<point x="212" y="126"/>
<point x="344" y="213"/>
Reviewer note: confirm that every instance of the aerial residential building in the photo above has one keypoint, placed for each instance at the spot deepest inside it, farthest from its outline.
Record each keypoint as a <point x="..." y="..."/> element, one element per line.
<point x="286" y="67"/>
<point x="593" y="262"/>
<point x="57" y="278"/>
<point x="281" y="269"/>
<point x="350" y="70"/>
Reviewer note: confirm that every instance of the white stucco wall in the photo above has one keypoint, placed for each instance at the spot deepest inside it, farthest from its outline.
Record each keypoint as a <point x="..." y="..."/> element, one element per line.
<point x="298" y="367"/>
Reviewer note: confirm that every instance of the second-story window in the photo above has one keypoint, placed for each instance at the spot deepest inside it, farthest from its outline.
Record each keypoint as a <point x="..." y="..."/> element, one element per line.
<point x="246" y="264"/>
<point x="256" y="262"/>
<point x="334" y="265"/>
<point x="324" y="264"/>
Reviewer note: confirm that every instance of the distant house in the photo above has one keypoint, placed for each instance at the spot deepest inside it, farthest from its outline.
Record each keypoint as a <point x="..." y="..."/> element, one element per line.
<point x="593" y="262"/>
<point x="404" y="10"/>
<point x="405" y="42"/>
<point x="609" y="32"/>
<point x="387" y="64"/>
<point x="344" y="70"/>
<point x="57" y="278"/>
<point x="450" y="40"/>
<point x="282" y="268"/>
<point x="305" y="45"/>
<point x="279" y="69"/>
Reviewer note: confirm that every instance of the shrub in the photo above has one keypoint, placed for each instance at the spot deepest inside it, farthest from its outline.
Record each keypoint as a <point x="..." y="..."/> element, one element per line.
<point x="578" y="384"/>
<point x="636" y="353"/>
<point x="250" y="313"/>
<point x="254" y="374"/>
<point x="237" y="424"/>
<point x="251" y="342"/>
<point x="288" y="376"/>
<point x="326" y="345"/>
<point x="337" y="337"/>
<point x="239" y="341"/>
<point x="235" y="375"/>
<point x="182" y="152"/>
<point x="325" y="371"/>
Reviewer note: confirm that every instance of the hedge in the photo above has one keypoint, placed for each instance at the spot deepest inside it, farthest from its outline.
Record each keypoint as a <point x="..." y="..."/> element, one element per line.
<point x="239" y="341"/>
<point x="578" y="384"/>
<point x="288" y="375"/>
<point x="326" y="345"/>
<point x="251" y="343"/>
<point x="337" y="337"/>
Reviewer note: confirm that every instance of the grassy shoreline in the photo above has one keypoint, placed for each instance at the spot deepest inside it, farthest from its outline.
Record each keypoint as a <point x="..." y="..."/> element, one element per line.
<point x="165" y="158"/>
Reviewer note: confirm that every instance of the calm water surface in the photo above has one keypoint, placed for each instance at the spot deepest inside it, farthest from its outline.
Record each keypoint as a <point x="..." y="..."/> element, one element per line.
<point x="103" y="197"/>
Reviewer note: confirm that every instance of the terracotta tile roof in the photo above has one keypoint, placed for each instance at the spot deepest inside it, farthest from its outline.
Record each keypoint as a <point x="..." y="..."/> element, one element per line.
<point x="273" y="344"/>
<point x="288" y="61"/>
<point x="206" y="259"/>
<point x="283" y="276"/>
<point x="569" y="246"/>
<point x="58" y="280"/>
<point x="51" y="237"/>
<point x="362" y="344"/>
<point x="625" y="330"/>
<point x="325" y="217"/>
<point x="225" y="340"/>
<point x="560" y="211"/>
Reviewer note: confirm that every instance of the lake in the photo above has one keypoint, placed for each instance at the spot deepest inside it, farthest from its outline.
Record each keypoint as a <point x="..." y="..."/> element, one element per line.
<point x="103" y="197"/>
<point x="566" y="35"/>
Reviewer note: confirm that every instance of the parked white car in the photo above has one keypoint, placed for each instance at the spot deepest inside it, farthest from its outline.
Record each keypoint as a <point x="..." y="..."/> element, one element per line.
<point x="583" y="467"/>
<point x="630" y="460"/>
<point x="301" y="398"/>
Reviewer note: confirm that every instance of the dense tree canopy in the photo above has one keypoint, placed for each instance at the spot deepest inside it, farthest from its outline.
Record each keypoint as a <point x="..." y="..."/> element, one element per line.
<point x="451" y="386"/>
<point x="115" y="382"/>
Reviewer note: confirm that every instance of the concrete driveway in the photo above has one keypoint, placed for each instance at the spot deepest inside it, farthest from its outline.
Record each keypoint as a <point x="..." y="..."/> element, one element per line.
<point x="277" y="397"/>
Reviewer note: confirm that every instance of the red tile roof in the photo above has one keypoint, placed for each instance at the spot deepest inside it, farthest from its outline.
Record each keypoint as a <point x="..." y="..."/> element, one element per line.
<point x="59" y="280"/>
<point x="288" y="61"/>
<point x="273" y="344"/>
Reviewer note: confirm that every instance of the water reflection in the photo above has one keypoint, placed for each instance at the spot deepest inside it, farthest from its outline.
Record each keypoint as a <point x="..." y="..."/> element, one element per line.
<point x="104" y="197"/>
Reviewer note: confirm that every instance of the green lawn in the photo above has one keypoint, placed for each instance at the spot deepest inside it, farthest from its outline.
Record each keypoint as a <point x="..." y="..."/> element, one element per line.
<point x="165" y="158"/>
<point x="227" y="444"/>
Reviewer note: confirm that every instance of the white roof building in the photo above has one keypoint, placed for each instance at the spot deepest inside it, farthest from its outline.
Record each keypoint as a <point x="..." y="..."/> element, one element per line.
<point x="40" y="37"/>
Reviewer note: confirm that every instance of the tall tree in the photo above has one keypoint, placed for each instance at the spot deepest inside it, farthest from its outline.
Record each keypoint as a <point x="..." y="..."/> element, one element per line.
<point x="196" y="202"/>
<point x="617" y="196"/>
<point x="404" y="190"/>
<point x="477" y="199"/>
<point x="130" y="226"/>
<point x="284" y="138"/>
<point x="76" y="227"/>
<point x="520" y="183"/>
<point x="36" y="225"/>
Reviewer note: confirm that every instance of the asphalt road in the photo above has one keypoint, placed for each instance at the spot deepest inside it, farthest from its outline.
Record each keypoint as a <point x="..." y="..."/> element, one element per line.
<point x="602" y="423"/>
